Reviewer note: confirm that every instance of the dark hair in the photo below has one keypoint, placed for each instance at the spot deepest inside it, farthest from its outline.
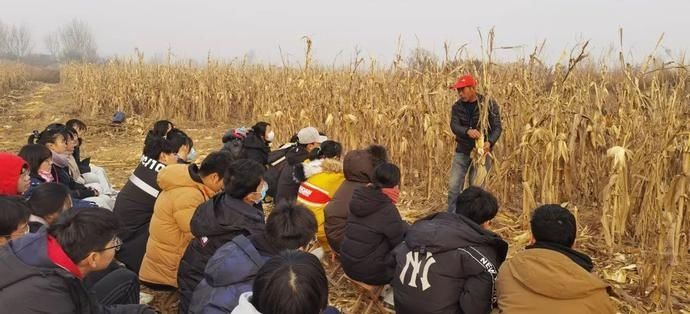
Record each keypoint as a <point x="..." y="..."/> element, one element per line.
<point x="71" y="133"/>
<point x="160" y="128"/>
<point x="13" y="212"/>
<point x="386" y="175"/>
<point x="157" y="145"/>
<point x="378" y="154"/>
<point x="80" y="231"/>
<point x="178" y="138"/>
<point x="243" y="177"/>
<point x="555" y="224"/>
<point x="260" y="128"/>
<point x="49" y="135"/>
<point x="290" y="226"/>
<point x="35" y="155"/>
<point x="327" y="149"/>
<point x="75" y="123"/>
<point x="48" y="198"/>
<point x="216" y="162"/>
<point x="292" y="282"/>
<point x="476" y="204"/>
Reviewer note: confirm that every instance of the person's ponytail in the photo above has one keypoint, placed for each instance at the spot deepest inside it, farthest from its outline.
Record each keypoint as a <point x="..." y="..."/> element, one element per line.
<point x="33" y="138"/>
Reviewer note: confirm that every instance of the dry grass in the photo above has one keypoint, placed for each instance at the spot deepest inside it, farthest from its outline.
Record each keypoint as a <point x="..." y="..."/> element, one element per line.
<point x="559" y="124"/>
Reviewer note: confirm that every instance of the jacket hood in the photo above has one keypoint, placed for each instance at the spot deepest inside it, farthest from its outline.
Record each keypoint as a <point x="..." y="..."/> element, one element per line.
<point x="311" y="168"/>
<point x="223" y="214"/>
<point x="358" y="166"/>
<point x="553" y="275"/>
<point x="181" y="175"/>
<point x="230" y="265"/>
<point x="245" y="305"/>
<point x="367" y="200"/>
<point x="10" y="169"/>
<point x="443" y="232"/>
<point x="31" y="250"/>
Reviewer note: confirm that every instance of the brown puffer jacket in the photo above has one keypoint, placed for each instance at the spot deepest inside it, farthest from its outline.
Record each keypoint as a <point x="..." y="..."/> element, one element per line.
<point x="358" y="167"/>
<point x="545" y="281"/>
<point x="182" y="192"/>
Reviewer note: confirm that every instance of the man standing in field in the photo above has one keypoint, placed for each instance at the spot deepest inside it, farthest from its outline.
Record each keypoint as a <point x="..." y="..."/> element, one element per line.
<point x="469" y="126"/>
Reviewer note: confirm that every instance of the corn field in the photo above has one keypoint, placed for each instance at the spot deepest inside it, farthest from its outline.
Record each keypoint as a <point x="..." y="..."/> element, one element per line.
<point x="612" y="140"/>
<point x="12" y="76"/>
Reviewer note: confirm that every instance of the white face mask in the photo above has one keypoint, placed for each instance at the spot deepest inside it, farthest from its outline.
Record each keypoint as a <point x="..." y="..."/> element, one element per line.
<point x="270" y="136"/>
<point x="191" y="157"/>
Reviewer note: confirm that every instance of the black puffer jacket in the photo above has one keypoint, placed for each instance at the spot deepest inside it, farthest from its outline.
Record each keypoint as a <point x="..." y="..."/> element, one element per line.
<point x="447" y="264"/>
<point x="358" y="168"/>
<point x="256" y="149"/>
<point x="134" y="208"/>
<point x="288" y="186"/>
<point x="465" y="116"/>
<point x="374" y="228"/>
<point x="214" y="224"/>
<point x="36" y="285"/>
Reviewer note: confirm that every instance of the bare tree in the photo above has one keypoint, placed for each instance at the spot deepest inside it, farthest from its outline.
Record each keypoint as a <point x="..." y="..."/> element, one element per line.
<point x="52" y="43"/>
<point x="18" y="42"/>
<point x="77" y="42"/>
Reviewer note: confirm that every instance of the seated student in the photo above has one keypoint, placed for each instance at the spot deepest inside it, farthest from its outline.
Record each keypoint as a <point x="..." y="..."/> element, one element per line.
<point x="183" y="145"/>
<point x="160" y="129"/>
<point x="230" y="272"/>
<point x="54" y="137"/>
<point x="256" y="143"/>
<point x="358" y="168"/>
<point x="48" y="267"/>
<point x="448" y="262"/>
<point x="374" y="228"/>
<point x="47" y="202"/>
<point x="91" y="173"/>
<point x="292" y="282"/>
<point x="135" y="202"/>
<point x="227" y="215"/>
<point x="105" y="191"/>
<point x="40" y="161"/>
<point x="309" y="139"/>
<point x="549" y="274"/>
<point x="14" y="175"/>
<point x="322" y="175"/>
<point x="14" y="220"/>
<point x="184" y="188"/>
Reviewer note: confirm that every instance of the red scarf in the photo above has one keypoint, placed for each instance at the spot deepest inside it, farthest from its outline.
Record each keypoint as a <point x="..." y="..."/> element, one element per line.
<point x="392" y="193"/>
<point x="58" y="256"/>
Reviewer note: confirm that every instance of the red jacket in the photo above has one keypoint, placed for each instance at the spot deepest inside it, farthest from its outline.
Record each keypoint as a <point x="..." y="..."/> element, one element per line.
<point x="10" y="169"/>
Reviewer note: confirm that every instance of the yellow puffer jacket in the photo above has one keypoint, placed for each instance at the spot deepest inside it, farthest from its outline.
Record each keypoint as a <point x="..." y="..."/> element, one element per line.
<point x="324" y="177"/>
<point x="169" y="230"/>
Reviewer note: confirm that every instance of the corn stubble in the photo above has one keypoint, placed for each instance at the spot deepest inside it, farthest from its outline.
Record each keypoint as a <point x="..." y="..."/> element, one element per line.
<point x="612" y="140"/>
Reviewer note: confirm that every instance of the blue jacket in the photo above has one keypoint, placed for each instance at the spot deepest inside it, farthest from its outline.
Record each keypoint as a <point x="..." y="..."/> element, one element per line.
<point x="229" y="273"/>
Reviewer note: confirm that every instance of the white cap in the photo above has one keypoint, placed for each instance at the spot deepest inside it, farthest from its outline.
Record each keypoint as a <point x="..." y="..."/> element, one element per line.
<point x="310" y="135"/>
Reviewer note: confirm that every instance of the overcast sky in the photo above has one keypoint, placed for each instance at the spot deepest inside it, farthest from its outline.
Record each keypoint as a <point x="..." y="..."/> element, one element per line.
<point x="228" y="29"/>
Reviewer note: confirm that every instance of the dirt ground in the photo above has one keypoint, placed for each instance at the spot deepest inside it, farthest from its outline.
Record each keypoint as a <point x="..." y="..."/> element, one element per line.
<point x="118" y="149"/>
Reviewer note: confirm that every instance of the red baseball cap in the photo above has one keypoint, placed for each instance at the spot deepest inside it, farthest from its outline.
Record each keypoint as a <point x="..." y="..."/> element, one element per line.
<point x="464" y="81"/>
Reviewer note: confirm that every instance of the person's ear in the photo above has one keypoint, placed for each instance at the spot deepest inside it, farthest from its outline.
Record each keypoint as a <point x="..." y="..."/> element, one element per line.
<point x="532" y="240"/>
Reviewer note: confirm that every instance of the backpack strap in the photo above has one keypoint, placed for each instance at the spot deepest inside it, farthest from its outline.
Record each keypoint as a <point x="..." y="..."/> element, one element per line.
<point x="247" y="247"/>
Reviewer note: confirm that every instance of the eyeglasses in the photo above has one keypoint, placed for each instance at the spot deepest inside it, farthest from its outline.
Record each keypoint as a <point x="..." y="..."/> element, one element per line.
<point x="117" y="244"/>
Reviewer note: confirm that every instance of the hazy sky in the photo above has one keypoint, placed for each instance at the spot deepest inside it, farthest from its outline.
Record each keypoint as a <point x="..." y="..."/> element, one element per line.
<point x="229" y="29"/>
